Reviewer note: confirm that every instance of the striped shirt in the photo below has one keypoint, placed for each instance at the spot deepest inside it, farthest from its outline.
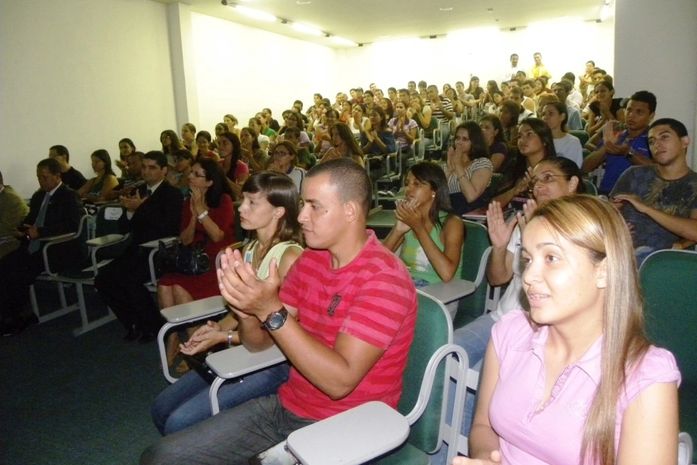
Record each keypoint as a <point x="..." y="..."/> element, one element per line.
<point x="372" y="299"/>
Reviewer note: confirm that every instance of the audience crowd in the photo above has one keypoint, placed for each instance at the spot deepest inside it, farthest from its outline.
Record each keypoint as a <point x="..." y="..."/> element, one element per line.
<point x="524" y="141"/>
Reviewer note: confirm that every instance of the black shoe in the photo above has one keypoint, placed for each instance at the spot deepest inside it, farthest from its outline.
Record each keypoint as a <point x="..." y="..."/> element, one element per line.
<point x="132" y="334"/>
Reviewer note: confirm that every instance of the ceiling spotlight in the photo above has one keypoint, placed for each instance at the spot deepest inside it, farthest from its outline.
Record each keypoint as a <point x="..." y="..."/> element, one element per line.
<point x="448" y="8"/>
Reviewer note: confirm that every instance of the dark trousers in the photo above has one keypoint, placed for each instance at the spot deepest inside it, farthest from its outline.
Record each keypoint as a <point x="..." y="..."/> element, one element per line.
<point x="121" y="286"/>
<point x="18" y="271"/>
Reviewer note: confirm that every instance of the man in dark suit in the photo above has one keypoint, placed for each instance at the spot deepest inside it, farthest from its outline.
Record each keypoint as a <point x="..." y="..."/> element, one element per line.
<point x="54" y="209"/>
<point x="153" y="212"/>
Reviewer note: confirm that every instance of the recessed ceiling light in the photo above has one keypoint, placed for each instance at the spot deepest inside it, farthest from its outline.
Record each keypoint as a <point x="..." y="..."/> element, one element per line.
<point x="302" y="2"/>
<point x="447" y="8"/>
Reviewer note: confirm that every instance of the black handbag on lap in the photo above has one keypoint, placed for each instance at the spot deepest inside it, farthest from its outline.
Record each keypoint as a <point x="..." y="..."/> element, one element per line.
<point x="189" y="260"/>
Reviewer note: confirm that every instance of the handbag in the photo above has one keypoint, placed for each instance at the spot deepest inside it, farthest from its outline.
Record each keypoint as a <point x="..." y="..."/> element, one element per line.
<point x="188" y="260"/>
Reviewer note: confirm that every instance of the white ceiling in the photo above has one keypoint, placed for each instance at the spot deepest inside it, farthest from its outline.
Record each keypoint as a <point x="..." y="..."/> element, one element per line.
<point x="366" y="21"/>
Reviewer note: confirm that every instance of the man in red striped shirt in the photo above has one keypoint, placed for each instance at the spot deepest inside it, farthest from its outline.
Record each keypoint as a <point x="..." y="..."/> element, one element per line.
<point x="344" y="317"/>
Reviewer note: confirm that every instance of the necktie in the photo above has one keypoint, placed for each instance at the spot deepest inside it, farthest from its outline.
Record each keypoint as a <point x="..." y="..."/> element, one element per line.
<point x="40" y="218"/>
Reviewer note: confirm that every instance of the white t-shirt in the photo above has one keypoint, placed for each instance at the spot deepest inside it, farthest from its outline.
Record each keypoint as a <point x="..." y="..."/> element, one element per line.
<point x="514" y="297"/>
<point x="569" y="147"/>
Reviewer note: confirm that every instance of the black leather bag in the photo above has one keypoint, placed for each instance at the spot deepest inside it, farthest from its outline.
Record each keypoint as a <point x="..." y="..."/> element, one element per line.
<point x="189" y="260"/>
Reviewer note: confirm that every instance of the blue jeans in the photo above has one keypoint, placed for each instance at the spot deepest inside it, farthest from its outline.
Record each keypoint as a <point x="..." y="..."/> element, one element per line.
<point x="474" y="338"/>
<point x="228" y="438"/>
<point x="186" y="402"/>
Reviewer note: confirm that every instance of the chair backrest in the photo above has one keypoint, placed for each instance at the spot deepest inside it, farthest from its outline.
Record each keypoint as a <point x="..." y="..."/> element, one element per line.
<point x="433" y="330"/>
<point x="110" y="220"/>
<point x="591" y="189"/>
<point x="473" y="253"/>
<point x="668" y="280"/>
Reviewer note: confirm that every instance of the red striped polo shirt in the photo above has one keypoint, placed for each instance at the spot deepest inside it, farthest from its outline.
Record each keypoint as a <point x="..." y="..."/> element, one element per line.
<point x="373" y="299"/>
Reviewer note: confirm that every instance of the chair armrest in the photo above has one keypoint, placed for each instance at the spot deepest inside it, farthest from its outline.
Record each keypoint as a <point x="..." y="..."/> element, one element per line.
<point x="196" y="310"/>
<point x="351" y="437"/>
<point x="237" y="361"/>
<point x="58" y="238"/>
<point x="102" y="241"/>
<point x="450" y="291"/>
<point x="155" y="243"/>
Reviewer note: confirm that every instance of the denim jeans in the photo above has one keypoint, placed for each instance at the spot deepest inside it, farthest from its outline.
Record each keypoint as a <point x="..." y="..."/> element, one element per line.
<point x="228" y="438"/>
<point x="186" y="402"/>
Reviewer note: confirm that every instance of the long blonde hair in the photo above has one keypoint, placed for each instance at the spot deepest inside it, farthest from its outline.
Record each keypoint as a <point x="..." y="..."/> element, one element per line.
<point x="596" y="226"/>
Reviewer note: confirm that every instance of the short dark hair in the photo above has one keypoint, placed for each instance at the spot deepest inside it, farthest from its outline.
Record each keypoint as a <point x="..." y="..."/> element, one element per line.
<point x="158" y="157"/>
<point x="61" y="150"/>
<point x="351" y="179"/>
<point x="646" y="97"/>
<point x="674" y="124"/>
<point x="571" y="77"/>
<point x="51" y="165"/>
<point x="205" y="134"/>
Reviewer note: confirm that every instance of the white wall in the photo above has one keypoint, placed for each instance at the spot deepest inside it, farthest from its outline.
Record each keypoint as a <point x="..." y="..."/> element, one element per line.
<point x="480" y="52"/>
<point x="240" y="70"/>
<point x="656" y="47"/>
<point x="82" y="73"/>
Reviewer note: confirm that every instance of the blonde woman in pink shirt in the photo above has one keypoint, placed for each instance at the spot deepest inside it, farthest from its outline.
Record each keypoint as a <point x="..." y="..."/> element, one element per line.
<point x="574" y="380"/>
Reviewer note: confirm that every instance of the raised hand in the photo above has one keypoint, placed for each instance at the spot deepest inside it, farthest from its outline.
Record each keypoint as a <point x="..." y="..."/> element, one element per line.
<point x="500" y="232"/>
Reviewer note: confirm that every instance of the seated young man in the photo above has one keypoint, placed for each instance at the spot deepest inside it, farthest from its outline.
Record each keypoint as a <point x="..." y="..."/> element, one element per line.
<point x="659" y="201"/>
<point x="344" y="317"/>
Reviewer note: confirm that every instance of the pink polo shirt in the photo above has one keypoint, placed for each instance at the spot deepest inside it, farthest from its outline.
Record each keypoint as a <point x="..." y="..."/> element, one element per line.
<point x="533" y="433"/>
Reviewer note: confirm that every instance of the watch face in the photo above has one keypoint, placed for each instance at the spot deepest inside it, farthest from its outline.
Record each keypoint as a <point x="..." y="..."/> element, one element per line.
<point x="276" y="320"/>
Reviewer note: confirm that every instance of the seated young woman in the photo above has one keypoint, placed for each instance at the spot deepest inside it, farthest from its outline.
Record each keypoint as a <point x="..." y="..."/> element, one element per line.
<point x="468" y="168"/>
<point x="603" y="107"/>
<point x="207" y="219"/>
<point x="204" y="146"/>
<point x="566" y="145"/>
<point x="344" y="145"/>
<point x="99" y="187"/>
<point x="178" y="175"/>
<point x="552" y="178"/>
<point x="377" y="139"/>
<point x="284" y="159"/>
<point x="170" y="144"/>
<point x="403" y="128"/>
<point x="269" y="210"/>
<point x="492" y="130"/>
<point x="126" y="147"/>
<point x="429" y="238"/>
<point x="230" y="151"/>
<point x="535" y="143"/>
<point x="188" y="133"/>
<point x="252" y="154"/>
<point x="574" y="379"/>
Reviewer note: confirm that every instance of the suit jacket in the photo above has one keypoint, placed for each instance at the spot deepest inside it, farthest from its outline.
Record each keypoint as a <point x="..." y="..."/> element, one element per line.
<point x="158" y="216"/>
<point x="62" y="216"/>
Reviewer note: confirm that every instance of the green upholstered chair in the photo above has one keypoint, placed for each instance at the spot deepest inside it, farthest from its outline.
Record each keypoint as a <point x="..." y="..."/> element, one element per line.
<point x="422" y="402"/>
<point x="669" y="283"/>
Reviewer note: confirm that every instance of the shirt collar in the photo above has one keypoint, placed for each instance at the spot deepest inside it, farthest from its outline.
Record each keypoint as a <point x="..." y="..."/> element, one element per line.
<point x="152" y="189"/>
<point x="589" y="362"/>
<point x="51" y="192"/>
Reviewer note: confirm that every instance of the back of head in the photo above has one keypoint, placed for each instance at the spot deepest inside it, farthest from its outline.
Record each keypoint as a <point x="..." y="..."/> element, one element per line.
<point x="351" y="181"/>
<point x="280" y="191"/>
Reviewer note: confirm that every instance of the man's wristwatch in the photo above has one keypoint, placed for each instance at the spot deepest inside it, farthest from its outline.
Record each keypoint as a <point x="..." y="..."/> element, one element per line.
<point x="276" y="320"/>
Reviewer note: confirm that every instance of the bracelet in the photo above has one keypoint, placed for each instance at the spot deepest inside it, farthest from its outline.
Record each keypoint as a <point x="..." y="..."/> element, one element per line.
<point x="229" y="338"/>
<point x="202" y="216"/>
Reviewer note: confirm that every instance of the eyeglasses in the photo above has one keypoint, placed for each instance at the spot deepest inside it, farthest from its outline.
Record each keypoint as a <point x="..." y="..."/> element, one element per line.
<point x="198" y="175"/>
<point x="545" y="178"/>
